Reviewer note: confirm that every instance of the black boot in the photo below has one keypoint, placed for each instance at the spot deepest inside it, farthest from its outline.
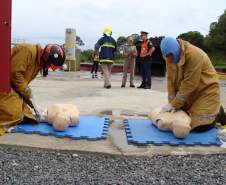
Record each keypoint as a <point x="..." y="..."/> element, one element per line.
<point x="147" y="87"/>
<point x="108" y="87"/>
<point x="221" y="117"/>
<point x="204" y="128"/>
<point x="141" y="86"/>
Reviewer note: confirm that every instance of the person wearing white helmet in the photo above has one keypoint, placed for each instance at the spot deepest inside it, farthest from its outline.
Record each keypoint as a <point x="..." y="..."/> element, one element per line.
<point x="106" y="47"/>
<point x="192" y="82"/>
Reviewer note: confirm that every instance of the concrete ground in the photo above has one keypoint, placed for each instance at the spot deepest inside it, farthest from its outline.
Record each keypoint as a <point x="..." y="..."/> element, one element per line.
<point x="92" y="99"/>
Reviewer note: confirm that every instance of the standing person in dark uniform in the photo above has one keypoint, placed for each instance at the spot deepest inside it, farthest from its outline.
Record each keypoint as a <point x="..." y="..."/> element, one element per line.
<point x="95" y="66"/>
<point x="145" y="50"/>
<point x="106" y="46"/>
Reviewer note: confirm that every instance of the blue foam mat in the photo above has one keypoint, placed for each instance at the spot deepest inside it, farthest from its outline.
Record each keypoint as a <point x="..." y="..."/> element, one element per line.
<point x="143" y="132"/>
<point x="90" y="128"/>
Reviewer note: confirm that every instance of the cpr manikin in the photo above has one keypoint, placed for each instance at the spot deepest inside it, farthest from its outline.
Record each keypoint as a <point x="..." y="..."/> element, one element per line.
<point x="62" y="116"/>
<point x="177" y="122"/>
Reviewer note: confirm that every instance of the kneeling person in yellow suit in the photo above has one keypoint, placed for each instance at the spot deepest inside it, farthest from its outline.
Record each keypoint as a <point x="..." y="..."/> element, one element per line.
<point x="26" y="62"/>
<point x="192" y="82"/>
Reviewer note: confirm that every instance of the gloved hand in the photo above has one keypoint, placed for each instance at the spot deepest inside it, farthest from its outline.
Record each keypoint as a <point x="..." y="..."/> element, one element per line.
<point x="168" y="108"/>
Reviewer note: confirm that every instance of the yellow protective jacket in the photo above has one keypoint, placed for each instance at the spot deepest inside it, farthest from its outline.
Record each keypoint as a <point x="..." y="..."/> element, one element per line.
<point x="24" y="68"/>
<point x="193" y="85"/>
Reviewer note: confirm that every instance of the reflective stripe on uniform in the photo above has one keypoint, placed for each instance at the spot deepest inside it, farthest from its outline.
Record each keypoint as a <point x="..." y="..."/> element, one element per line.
<point x="203" y="120"/>
<point x="206" y="117"/>
<point x="180" y="98"/>
<point x="170" y="98"/>
<point x="108" y="45"/>
<point x="106" y="60"/>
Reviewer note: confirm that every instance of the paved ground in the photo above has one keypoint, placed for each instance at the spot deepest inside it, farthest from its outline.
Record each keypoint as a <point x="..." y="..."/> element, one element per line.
<point x="50" y="160"/>
<point x="92" y="99"/>
<point x="76" y="87"/>
<point x="21" y="166"/>
<point x="90" y="96"/>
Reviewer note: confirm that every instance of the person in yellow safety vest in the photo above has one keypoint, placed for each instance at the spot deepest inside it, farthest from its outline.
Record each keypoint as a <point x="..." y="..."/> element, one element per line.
<point x="26" y="62"/>
<point x="96" y="60"/>
<point x="193" y="84"/>
<point x="107" y="46"/>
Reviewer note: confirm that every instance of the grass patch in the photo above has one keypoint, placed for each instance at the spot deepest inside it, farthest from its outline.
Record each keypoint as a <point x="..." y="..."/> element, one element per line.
<point x="218" y="60"/>
<point x="118" y="61"/>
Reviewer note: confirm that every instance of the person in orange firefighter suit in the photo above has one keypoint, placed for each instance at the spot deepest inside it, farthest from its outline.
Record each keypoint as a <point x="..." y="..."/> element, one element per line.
<point x="27" y="61"/>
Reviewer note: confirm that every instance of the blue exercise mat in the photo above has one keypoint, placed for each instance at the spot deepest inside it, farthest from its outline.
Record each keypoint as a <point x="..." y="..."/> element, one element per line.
<point x="90" y="127"/>
<point x="143" y="132"/>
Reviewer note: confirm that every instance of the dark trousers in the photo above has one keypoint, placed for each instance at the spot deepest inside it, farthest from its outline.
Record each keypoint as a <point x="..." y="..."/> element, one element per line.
<point x="45" y="72"/>
<point x="145" y="66"/>
<point x="95" y="66"/>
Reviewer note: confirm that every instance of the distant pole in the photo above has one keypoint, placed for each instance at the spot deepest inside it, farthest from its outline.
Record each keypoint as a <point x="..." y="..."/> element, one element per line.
<point x="70" y="44"/>
<point x="5" y="44"/>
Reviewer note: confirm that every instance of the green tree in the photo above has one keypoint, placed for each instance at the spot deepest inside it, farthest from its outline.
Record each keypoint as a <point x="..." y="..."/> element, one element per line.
<point x="193" y="37"/>
<point x="216" y="39"/>
<point x="87" y="55"/>
<point x="136" y="37"/>
<point x="121" y="41"/>
<point x="79" y="41"/>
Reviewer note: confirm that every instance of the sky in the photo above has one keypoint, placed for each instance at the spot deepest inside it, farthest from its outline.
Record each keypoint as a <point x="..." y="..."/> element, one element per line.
<point x="45" y="21"/>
